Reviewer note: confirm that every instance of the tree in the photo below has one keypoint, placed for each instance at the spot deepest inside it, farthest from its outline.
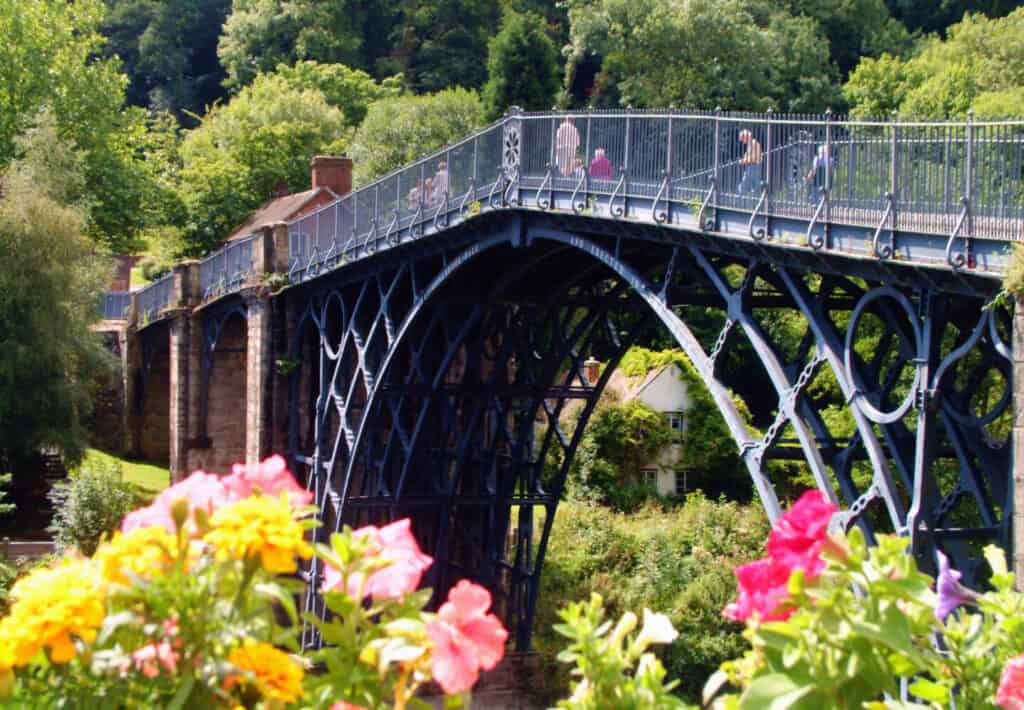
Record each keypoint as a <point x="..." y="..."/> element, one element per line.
<point x="399" y="130"/>
<point x="351" y="90"/>
<point x="233" y="161"/>
<point x="738" y="54"/>
<point x="522" y="66"/>
<point x="937" y="15"/>
<point x="169" y="50"/>
<point x="980" y="64"/>
<point x="437" y="44"/>
<point x="261" y="34"/>
<point x="50" y="278"/>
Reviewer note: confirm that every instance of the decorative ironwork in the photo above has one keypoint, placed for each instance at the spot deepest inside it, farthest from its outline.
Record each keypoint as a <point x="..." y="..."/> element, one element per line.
<point x="431" y="388"/>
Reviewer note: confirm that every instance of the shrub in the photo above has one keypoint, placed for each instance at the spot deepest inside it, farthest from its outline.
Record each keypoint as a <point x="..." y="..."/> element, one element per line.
<point x="677" y="560"/>
<point x="89" y="505"/>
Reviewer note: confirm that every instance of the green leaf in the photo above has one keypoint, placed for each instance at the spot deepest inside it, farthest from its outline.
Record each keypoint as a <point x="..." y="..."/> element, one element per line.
<point x="930" y="691"/>
<point x="184" y="691"/>
<point x="276" y="593"/>
<point x="764" y="691"/>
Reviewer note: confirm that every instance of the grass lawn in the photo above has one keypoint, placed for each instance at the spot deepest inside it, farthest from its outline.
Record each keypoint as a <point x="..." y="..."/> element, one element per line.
<point x="145" y="475"/>
<point x="137" y="278"/>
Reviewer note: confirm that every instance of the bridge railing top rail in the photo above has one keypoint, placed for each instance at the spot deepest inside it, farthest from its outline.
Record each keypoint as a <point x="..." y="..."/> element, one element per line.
<point x="226" y="270"/>
<point x="953" y="178"/>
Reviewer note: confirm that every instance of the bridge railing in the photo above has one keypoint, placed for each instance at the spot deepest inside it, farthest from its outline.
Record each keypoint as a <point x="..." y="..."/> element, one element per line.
<point x="428" y="192"/>
<point x="941" y="178"/>
<point x="225" y="271"/>
<point x="155" y="298"/>
<point x="114" y="305"/>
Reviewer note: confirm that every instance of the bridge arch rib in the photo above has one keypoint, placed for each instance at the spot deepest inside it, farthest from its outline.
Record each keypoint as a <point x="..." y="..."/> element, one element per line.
<point x="443" y="383"/>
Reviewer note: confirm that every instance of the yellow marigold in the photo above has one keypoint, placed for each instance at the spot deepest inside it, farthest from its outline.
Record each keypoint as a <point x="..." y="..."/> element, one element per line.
<point x="275" y="673"/>
<point x="143" y="552"/>
<point x="259" y="527"/>
<point x="49" y="606"/>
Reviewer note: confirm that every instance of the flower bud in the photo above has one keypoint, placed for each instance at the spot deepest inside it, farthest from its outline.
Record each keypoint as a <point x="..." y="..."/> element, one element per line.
<point x="179" y="512"/>
<point x="626" y="624"/>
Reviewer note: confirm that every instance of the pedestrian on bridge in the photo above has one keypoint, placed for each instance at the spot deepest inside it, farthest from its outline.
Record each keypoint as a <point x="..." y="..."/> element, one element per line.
<point x="567" y="142"/>
<point x="600" y="166"/>
<point x="750" y="183"/>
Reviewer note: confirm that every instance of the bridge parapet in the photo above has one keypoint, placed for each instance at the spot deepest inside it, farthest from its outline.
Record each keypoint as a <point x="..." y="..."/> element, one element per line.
<point x="926" y="193"/>
<point x="115" y="305"/>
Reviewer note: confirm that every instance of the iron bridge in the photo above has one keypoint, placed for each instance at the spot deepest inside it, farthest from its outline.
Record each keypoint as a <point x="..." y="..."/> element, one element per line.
<point x="440" y="318"/>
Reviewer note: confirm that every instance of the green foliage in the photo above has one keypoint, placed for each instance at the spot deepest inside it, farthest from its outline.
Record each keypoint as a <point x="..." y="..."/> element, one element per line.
<point x="5" y="480"/>
<point x="169" y="51"/>
<point x="978" y="64"/>
<point x="677" y="560"/>
<point x="350" y="90"/>
<point x="438" y="44"/>
<point x="613" y="668"/>
<point x="261" y="34"/>
<point x="241" y="152"/>
<point x="50" y="278"/>
<point x="739" y="54"/>
<point x="619" y="439"/>
<point x="399" y="130"/>
<point x="89" y="505"/>
<point x="1014" y="281"/>
<point x="522" y="66"/>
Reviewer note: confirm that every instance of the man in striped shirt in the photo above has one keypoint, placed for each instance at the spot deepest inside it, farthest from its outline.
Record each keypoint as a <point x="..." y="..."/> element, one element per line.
<point x="750" y="183"/>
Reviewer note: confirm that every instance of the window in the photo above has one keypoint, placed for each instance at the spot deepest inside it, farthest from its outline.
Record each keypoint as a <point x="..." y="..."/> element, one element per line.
<point x="676" y="422"/>
<point x="649" y="476"/>
<point x="680" y="483"/>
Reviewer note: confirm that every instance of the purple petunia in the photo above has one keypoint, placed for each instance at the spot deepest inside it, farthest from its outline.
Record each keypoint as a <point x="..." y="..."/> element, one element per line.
<point x="951" y="593"/>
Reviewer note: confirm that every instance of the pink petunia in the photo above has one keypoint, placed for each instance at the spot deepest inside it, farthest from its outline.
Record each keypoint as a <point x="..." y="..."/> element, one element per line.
<point x="1011" y="685"/>
<point x="466" y="638"/>
<point x="762" y="589"/>
<point x="201" y="490"/>
<point x="342" y="705"/>
<point x="797" y="538"/>
<point x="395" y="544"/>
<point x="270" y="476"/>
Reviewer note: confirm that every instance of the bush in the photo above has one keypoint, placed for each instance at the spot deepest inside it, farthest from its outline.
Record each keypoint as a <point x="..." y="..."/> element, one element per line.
<point x="678" y="560"/>
<point x="90" y="504"/>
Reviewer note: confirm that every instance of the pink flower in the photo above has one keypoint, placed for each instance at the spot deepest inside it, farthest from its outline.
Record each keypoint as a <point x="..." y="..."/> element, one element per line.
<point x="797" y="538"/>
<point x="149" y="659"/>
<point x="466" y="638"/>
<point x="1011" y="685"/>
<point x="395" y="544"/>
<point x="270" y="476"/>
<point x="201" y="490"/>
<point x="342" y="705"/>
<point x="762" y="586"/>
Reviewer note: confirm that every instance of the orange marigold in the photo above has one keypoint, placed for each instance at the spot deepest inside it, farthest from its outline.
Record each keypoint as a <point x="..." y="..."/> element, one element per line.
<point x="274" y="672"/>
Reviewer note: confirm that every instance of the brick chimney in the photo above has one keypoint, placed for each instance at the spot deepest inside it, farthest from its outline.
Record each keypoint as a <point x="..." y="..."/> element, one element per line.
<point x="334" y="172"/>
<point x="592" y="368"/>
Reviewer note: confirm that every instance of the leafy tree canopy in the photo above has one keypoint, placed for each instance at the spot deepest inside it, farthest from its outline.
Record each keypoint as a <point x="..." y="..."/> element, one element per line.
<point x="522" y="66"/>
<point x="399" y="130"/>
<point x="241" y="152"/>
<point x="980" y="64"/>
<point x="734" y="53"/>
<point x="260" y="34"/>
<point x="169" y="50"/>
<point x="50" y="278"/>
<point x="351" y="90"/>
